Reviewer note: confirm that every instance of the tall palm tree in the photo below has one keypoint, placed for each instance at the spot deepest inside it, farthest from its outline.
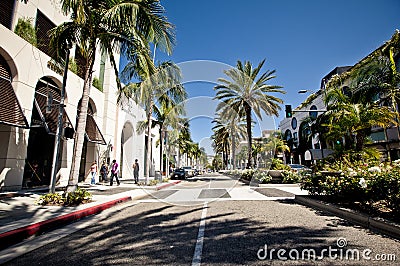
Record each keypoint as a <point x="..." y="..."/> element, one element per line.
<point x="248" y="92"/>
<point x="109" y="26"/>
<point x="235" y="127"/>
<point x="161" y="87"/>
<point x="222" y="141"/>
<point x="167" y="116"/>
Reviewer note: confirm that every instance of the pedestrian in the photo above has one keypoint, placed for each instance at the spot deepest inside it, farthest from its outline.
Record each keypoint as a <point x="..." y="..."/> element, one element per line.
<point x="114" y="172"/>
<point x="93" y="172"/>
<point x="136" y="171"/>
<point x="104" y="171"/>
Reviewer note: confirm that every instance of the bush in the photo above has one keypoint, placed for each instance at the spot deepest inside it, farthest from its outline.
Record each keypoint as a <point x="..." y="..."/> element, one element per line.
<point x="359" y="181"/>
<point x="75" y="198"/>
<point x="97" y="84"/>
<point x="291" y="177"/>
<point x="51" y="199"/>
<point x="277" y="164"/>
<point x="26" y="31"/>
<point x="153" y="182"/>
<point x="262" y="176"/>
<point x="247" y="174"/>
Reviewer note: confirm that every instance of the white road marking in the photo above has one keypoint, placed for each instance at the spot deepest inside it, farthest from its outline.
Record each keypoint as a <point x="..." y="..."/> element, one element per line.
<point x="200" y="238"/>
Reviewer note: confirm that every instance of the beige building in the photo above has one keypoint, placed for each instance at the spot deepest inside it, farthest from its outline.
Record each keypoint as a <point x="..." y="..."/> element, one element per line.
<point x="28" y="78"/>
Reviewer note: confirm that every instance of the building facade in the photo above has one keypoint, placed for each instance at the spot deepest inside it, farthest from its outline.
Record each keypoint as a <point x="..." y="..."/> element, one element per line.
<point x="30" y="79"/>
<point x="306" y="148"/>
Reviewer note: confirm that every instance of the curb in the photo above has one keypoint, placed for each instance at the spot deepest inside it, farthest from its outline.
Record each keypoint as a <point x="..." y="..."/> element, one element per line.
<point x="372" y="223"/>
<point x="168" y="185"/>
<point x="17" y="235"/>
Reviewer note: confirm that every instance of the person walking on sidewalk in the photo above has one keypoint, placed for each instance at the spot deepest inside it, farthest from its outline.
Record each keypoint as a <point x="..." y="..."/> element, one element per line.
<point x="114" y="172"/>
<point x="104" y="171"/>
<point x="136" y="171"/>
<point x="93" y="171"/>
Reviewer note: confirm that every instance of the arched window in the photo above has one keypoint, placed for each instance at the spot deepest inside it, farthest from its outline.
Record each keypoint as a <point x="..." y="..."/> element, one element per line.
<point x="10" y="109"/>
<point x="313" y="114"/>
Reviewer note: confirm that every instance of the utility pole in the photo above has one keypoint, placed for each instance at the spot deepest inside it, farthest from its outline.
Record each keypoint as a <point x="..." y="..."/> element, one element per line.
<point x="57" y="159"/>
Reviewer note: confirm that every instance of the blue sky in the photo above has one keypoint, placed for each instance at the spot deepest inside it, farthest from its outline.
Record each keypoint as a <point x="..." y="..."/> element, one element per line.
<point x="302" y="40"/>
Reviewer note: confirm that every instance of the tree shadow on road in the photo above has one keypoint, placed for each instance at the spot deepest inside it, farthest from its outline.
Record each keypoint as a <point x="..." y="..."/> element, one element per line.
<point x="160" y="234"/>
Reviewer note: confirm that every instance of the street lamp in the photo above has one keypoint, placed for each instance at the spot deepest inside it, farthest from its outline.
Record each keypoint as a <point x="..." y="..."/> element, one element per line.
<point x="56" y="160"/>
<point x="305" y="91"/>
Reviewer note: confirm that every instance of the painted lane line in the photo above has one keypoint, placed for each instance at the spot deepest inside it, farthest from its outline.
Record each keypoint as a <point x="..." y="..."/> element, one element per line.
<point x="200" y="238"/>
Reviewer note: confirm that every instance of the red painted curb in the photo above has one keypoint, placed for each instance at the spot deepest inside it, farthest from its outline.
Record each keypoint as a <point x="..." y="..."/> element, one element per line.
<point x="17" y="235"/>
<point x="169" y="184"/>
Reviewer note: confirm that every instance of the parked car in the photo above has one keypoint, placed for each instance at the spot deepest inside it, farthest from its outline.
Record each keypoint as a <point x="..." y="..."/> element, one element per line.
<point x="298" y="167"/>
<point x="189" y="171"/>
<point x="179" y="173"/>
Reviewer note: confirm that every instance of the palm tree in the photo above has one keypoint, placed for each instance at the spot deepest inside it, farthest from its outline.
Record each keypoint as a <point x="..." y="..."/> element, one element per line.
<point x="109" y="26"/>
<point x="245" y="93"/>
<point x="353" y="121"/>
<point x="167" y="118"/>
<point x="163" y="86"/>
<point x="235" y="127"/>
<point x="222" y="141"/>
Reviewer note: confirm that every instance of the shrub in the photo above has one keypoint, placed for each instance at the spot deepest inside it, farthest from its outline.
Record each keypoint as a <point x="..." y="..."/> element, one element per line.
<point x="247" y="174"/>
<point x="75" y="198"/>
<point x="277" y="164"/>
<point x="290" y="177"/>
<point x="97" y="84"/>
<point x="153" y="182"/>
<point x="51" y="199"/>
<point x="262" y="176"/>
<point x="359" y="181"/>
<point x="26" y="31"/>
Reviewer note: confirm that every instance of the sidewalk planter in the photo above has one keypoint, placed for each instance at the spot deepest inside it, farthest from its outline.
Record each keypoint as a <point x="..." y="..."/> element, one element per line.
<point x="276" y="175"/>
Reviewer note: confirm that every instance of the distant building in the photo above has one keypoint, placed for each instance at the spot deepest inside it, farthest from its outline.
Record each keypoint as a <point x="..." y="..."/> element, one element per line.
<point x="296" y="131"/>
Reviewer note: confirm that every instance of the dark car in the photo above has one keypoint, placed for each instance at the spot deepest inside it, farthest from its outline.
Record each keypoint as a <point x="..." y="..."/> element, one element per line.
<point x="179" y="173"/>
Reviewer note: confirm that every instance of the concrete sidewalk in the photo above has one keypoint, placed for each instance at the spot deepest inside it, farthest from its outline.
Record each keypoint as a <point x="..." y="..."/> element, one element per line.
<point x="21" y="217"/>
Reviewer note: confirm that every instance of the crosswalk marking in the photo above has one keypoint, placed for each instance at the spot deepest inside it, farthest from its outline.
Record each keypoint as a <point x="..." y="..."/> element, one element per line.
<point x="209" y="194"/>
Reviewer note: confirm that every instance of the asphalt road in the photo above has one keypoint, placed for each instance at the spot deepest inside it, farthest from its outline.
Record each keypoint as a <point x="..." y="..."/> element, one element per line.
<point x="187" y="225"/>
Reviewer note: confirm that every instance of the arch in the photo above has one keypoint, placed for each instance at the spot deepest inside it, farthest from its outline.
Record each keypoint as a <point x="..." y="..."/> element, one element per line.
<point x="127" y="148"/>
<point x="10" y="63"/>
<point x="305" y="136"/>
<point x="10" y="109"/>
<point x="313" y="114"/>
<point x="93" y="137"/>
<point x="44" y="123"/>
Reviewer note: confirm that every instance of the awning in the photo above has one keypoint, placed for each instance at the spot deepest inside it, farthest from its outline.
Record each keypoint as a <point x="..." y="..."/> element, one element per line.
<point x="49" y="119"/>
<point x="10" y="110"/>
<point x="93" y="133"/>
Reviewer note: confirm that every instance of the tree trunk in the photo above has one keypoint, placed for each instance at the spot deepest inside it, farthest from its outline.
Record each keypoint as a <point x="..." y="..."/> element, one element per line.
<point x="247" y="109"/>
<point x="148" y="155"/>
<point x="233" y="149"/>
<point x="161" y="151"/>
<point x="81" y="126"/>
